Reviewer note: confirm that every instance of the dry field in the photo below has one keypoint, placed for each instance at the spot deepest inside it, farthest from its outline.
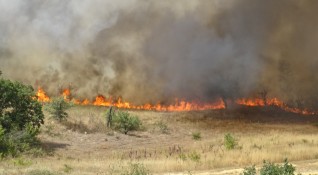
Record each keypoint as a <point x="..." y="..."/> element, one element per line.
<point x="165" y="145"/>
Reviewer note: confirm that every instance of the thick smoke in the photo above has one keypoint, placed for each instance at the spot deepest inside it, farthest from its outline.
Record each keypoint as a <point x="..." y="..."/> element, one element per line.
<point x="150" y="51"/>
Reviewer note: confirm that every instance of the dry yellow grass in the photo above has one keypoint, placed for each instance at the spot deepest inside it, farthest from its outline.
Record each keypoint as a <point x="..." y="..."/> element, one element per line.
<point x="83" y="145"/>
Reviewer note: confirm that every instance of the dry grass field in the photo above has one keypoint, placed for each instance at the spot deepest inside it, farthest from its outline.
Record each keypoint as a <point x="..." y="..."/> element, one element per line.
<point x="172" y="143"/>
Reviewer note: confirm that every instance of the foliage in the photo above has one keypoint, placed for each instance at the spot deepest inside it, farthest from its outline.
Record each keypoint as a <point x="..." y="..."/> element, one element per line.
<point x="18" y="106"/>
<point x="67" y="168"/>
<point x="272" y="169"/>
<point x="124" y="122"/>
<point x="21" y="162"/>
<point x="249" y="170"/>
<point x="196" y="136"/>
<point x="17" y="141"/>
<point x="57" y="108"/>
<point x="194" y="156"/>
<point x="136" y="169"/>
<point x="229" y="141"/>
<point x="20" y="118"/>
<point x="275" y="169"/>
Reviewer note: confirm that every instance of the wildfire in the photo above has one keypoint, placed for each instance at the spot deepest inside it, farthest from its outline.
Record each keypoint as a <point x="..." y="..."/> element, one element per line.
<point x="273" y="102"/>
<point x="178" y="105"/>
<point x="41" y="95"/>
<point x="66" y="94"/>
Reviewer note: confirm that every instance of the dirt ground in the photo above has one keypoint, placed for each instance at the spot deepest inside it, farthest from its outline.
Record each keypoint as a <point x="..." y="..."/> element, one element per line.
<point x="166" y="144"/>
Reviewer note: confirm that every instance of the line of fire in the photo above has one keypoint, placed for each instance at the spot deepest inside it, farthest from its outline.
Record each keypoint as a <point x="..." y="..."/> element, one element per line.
<point x="178" y="105"/>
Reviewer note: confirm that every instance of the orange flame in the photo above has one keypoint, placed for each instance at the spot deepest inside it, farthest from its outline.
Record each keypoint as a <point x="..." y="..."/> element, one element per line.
<point x="66" y="94"/>
<point x="179" y="105"/>
<point x="41" y="95"/>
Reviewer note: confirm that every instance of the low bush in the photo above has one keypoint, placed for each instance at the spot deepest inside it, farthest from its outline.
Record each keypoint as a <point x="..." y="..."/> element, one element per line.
<point x="57" y="108"/>
<point x="124" y="122"/>
<point x="229" y="141"/>
<point x="249" y="170"/>
<point x="194" y="156"/>
<point x="17" y="141"/>
<point x="272" y="169"/>
<point x="196" y="136"/>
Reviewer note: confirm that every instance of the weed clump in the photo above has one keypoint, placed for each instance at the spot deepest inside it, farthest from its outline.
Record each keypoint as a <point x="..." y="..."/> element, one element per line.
<point x="229" y="141"/>
<point x="136" y="169"/>
<point x="196" y="136"/>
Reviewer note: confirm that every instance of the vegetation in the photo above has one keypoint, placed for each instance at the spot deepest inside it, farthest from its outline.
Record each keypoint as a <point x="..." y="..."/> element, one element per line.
<point x="249" y="170"/>
<point x="136" y="169"/>
<point x="196" y="136"/>
<point x="57" y="108"/>
<point x="18" y="107"/>
<point x="20" y="118"/>
<point x="41" y="172"/>
<point x="124" y="122"/>
<point x="194" y="156"/>
<point x="229" y="141"/>
<point x="272" y="169"/>
<point x="163" y="128"/>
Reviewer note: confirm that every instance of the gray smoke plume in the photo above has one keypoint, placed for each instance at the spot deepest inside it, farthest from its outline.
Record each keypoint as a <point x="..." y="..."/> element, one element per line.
<point x="155" y="51"/>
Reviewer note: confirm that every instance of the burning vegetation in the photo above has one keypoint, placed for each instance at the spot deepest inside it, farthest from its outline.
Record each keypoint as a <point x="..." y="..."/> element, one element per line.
<point x="178" y="105"/>
<point x="165" y="55"/>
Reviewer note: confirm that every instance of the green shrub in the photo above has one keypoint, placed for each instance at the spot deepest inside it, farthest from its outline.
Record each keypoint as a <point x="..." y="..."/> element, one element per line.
<point x="194" y="156"/>
<point x="249" y="170"/>
<point x="57" y="108"/>
<point x="124" y="122"/>
<point x="196" y="136"/>
<point x="229" y="141"/>
<point x="275" y="169"/>
<point x="20" y="118"/>
<point x="18" y="106"/>
<point x="272" y="169"/>
<point x="18" y="141"/>
<point x="136" y="169"/>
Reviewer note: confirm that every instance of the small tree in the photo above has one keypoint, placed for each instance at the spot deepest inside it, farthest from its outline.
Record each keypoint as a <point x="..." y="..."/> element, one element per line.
<point x="57" y="108"/>
<point x="124" y="122"/>
<point x="20" y="118"/>
<point x="18" y="106"/>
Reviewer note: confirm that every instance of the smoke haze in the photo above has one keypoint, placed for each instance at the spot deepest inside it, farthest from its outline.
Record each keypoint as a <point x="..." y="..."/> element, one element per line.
<point x="150" y="51"/>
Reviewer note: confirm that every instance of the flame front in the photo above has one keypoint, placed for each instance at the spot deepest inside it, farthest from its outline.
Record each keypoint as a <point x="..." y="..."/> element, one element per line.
<point x="178" y="105"/>
<point x="66" y="94"/>
<point x="41" y="95"/>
